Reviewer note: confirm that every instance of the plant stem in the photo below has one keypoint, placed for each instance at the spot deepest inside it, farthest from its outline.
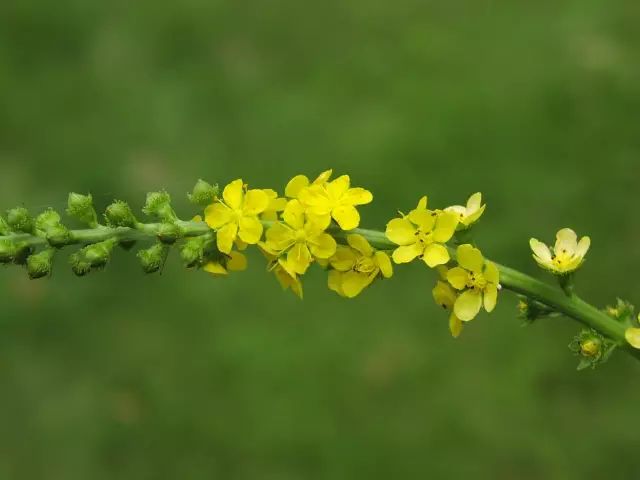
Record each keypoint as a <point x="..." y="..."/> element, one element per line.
<point x="551" y="296"/>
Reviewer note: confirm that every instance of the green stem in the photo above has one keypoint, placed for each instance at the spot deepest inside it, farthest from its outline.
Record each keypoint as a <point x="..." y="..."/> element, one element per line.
<point x="553" y="297"/>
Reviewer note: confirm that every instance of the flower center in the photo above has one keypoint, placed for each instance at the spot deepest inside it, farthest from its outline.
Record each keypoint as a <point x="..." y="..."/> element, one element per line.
<point x="477" y="280"/>
<point x="301" y="235"/>
<point x="364" y="265"/>
<point x="426" y="238"/>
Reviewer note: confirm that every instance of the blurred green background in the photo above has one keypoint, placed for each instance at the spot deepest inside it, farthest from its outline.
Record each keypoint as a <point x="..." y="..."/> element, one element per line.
<point x="536" y="104"/>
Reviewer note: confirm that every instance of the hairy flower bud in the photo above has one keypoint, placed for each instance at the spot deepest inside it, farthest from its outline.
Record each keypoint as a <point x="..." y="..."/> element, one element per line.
<point x="39" y="264"/>
<point x="158" y="205"/>
<point x="169" y="233"/>
<point x="81" y="208"/>
<point x="152" y="259"/>
<point x="8" y="250"/>
<point x="193" y="250"/>
<point x="119" y="214"/>
<point x="203" y="193"/>
<point x="20" y="220"/>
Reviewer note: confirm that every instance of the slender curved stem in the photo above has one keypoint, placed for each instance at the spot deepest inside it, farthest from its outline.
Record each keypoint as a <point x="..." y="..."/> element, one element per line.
<point x="551" y="296"/>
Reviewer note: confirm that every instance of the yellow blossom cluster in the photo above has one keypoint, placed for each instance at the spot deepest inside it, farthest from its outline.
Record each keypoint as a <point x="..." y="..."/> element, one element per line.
<point x="298" y="230"/>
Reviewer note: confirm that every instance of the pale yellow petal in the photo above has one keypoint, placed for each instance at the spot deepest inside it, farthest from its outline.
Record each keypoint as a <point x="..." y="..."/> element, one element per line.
<point x="401" y="231"/>
<point x="353" y="283"/>
<point x="566" y="242"/>
<point x="334" y="281"/>
<point x="583" y="247"/>
<point x="233" y="194"/>
<point x="217" y="215"/>
<point x="422" y="203"/>
<point x="215" y="268"/>
<point x="237" y="262"/>
<point x="406" y="253"/>
<point x="444" y="295"/>
<point x="540" y="250"/>
<point x="436" y="254"/>
<point x="250" y="230"/>
<point x="468" y="305"/>
<point x="491" y="273"/>
<point x="455" y="325"/>
<point x="470" y="258"/>
<point x="632" y="335"/>
<point x="294" y="215"/>
<point x="474" y="202"/>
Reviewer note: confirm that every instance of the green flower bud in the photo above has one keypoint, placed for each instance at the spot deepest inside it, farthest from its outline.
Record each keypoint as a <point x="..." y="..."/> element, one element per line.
<point x="79" y="265"/>
<point x="8" y="250"/>
<point x="20" y="220"/>
<point x="193" y="251"/>
<point x="158" y="205"/>
<point x="98" y="254"/>
<point x="58" y="236"/>
<point x="152" y="259"/>
<point x="592" y="348"/>
<point x="81" y="208"/>
<point x="119" y="214"/>
<point x="203" y="193"/>
<point x="39" y="264"/>
<point x="168" y="233"/>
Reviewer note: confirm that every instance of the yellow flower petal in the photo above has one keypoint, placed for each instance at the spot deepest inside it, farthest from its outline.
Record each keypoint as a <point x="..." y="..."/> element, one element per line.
<point x="334" y="282"/>
<point x="255" y="202"/>
<point x="217" y="215"/>
<point x="406" y="253"/>
<point x="384" y="264"/>
<point x="316" y="199"/>
<point x="344" y="259"/>
<point x="491" y="273"/>
<point x="490" y="297"/>
<point x="444" y="295"/>
<point x="338" y="187"/>
<point x="360" y="244"/>
<point x="455" y="325"/>
<point x="323" y="177"/>
<point x="470" y="258"/>
<point x="446" y="224"/>
<point x="435" y="254"/>
<point x="458" y="278"/>
<point x="468" y="305"/>
<point x="294" y="215"/>
<point x="632" y="335"/>
<point x="583" y="247"/>
<point x="540" y="250"/>
<point x="215" y="268"/>
<point x="566" y="242"/>
<point x="357" y="196"/>
<point x="237" y="262"/>
<point x="322" y="246"/>
<point x="279" y="237"/>
<point x="353" y="283"/>
<point x="299" y="258"/>
<point x="473" y="217"/>
<point x="295" y="186"/>
<point x="347" y="217"/>
<point x="250" y="230"/>
<point x="424" y="219"/>
<point x="233" y="194"/>
<point x="225" y="237"/>
<point x="474" y="202"/>
<point x="422" y="203"/>
<point x="401" y="231"/>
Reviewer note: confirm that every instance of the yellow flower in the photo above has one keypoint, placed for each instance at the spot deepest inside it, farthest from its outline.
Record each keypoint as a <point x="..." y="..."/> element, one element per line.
<point x="477" y="279"/>
<point x="470" y="214"/>
<point x="422" y="234"/>
<point x="275" y="206"/>
<point x="300" y="182"/>
<point x="233" y="262"/>
<point x="357" y="266"/>
<point x="566" y="256"/>
<point x="237" y="215"/>
<point x="283" y="272"/>
<point x="300" y="237"/>
<point x="445" y="296"/>
<point x="335" y="199"/>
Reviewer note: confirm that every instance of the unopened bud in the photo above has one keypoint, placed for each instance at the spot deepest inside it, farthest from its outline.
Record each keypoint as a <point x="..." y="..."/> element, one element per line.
<point x="81" y="208"/>
<point x="203" y="193"/>
<point x="153" y="258"/>
<point x="168" y="233"/>
<point x="19" y="220"/>
<point x="158" y="205"/>
<point x="119" y="214"/>
<point x="39" y="264"/>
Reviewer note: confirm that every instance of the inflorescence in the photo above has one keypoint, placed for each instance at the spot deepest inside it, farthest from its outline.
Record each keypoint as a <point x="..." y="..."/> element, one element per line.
<point x="318" y="222"/>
